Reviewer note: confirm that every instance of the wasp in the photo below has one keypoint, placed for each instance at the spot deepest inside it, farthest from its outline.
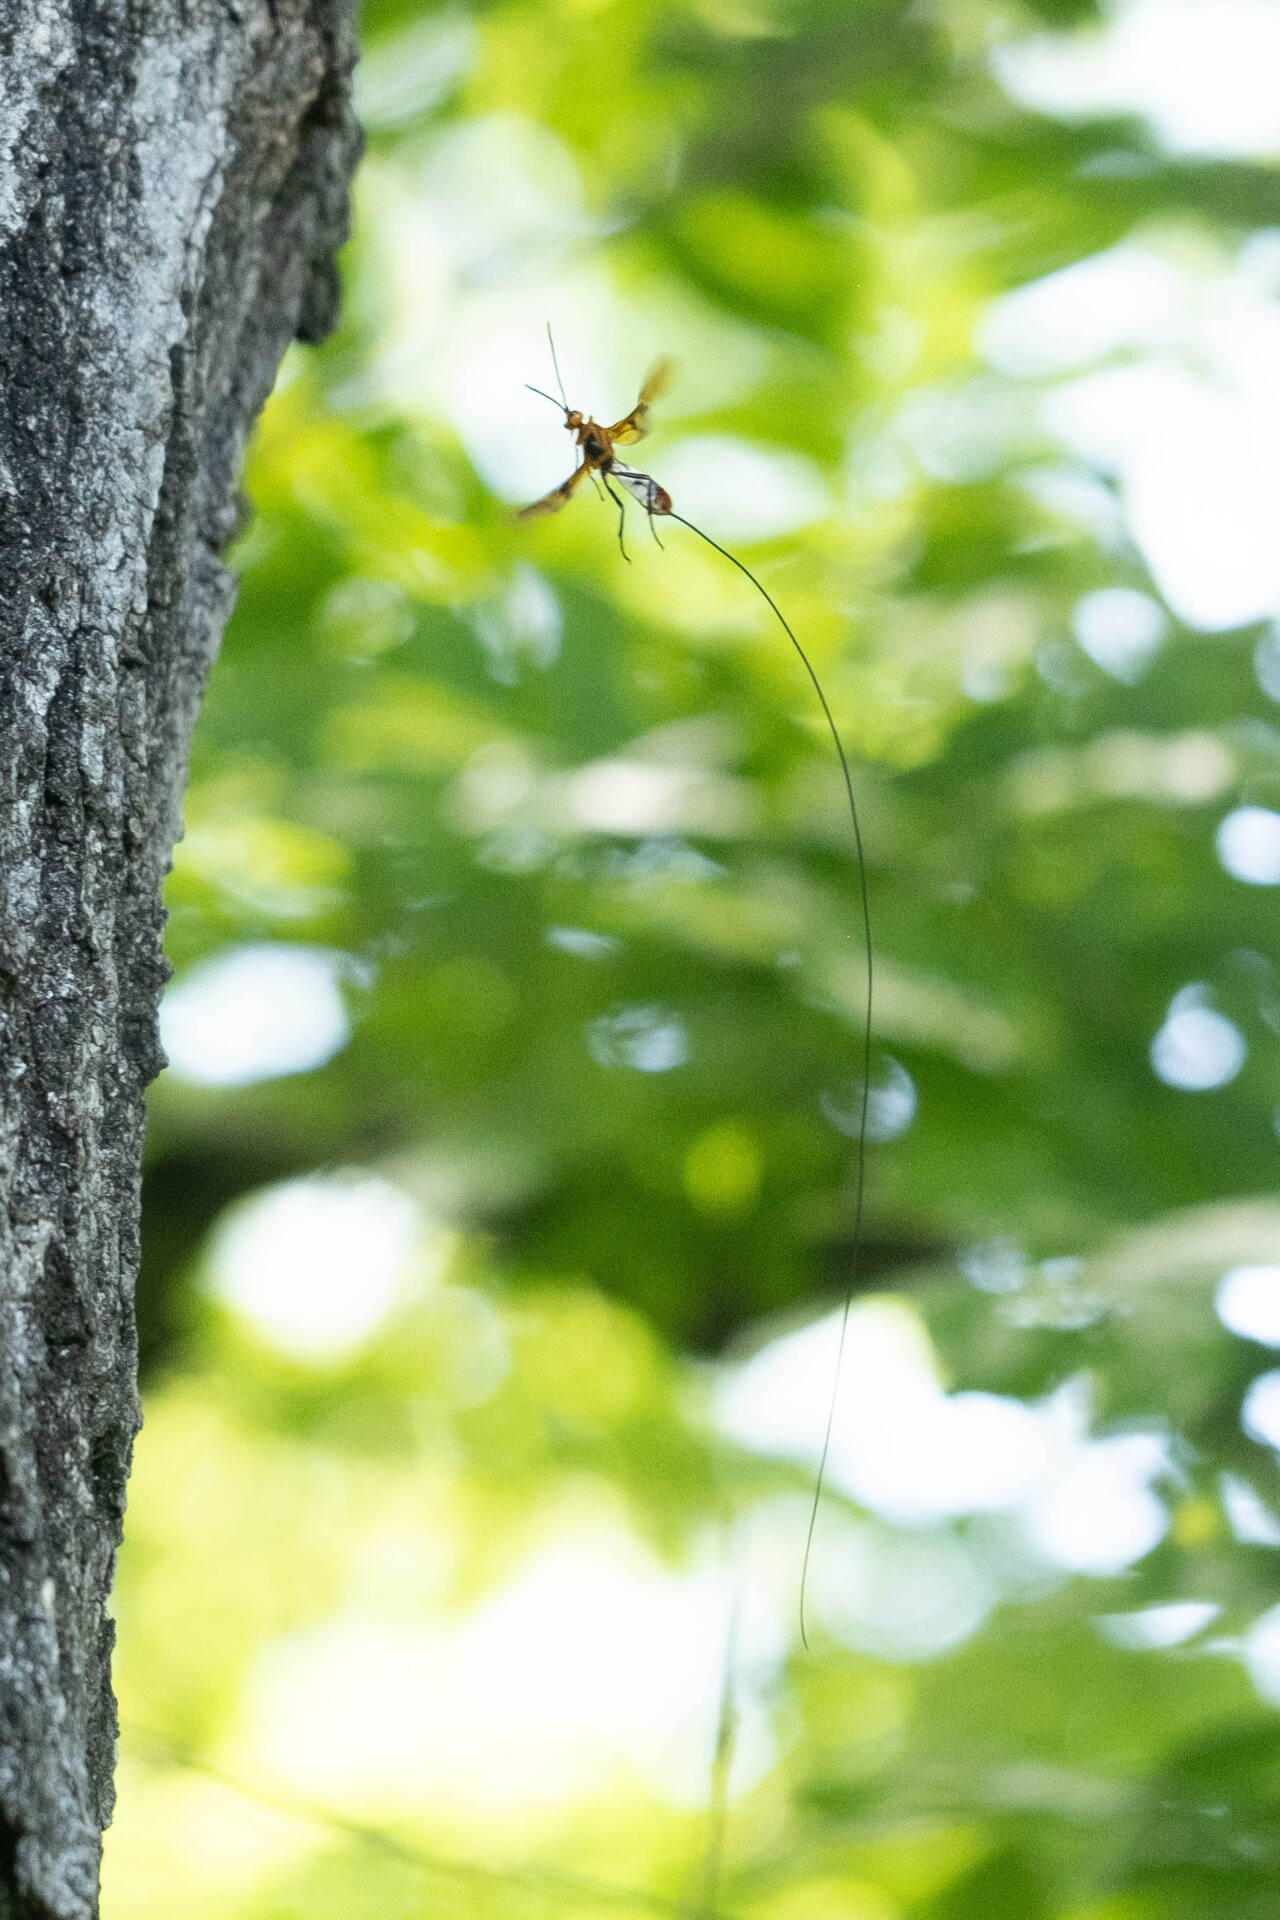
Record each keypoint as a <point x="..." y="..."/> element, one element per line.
<point x="596" y="446"/>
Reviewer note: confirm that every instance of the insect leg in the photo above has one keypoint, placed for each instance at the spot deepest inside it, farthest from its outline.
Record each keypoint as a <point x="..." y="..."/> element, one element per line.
<point x="622" y="513"/>
<point x="581" y="461"/>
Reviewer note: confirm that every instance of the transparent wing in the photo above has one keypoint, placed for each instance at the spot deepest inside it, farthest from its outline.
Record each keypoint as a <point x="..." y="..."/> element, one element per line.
<point x="658" y="379"/>
<point x="635" y="425"/>
<point x="553" y="501"/>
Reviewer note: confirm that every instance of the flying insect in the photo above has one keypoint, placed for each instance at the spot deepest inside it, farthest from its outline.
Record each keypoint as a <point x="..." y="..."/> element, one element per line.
<point x="596" y="445"/>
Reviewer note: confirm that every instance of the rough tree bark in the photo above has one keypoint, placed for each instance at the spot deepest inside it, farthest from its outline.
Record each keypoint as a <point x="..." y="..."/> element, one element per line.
<point x="173" y="178"/>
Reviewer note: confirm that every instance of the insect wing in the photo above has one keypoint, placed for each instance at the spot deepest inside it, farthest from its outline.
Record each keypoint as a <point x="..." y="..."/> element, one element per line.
<point x="657" y="380"/>
<point x="635" y="425"/>
<point x="553" y="501"/>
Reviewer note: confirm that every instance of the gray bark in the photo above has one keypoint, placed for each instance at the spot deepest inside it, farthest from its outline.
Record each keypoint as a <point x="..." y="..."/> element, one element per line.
<point x="173" y="179"/>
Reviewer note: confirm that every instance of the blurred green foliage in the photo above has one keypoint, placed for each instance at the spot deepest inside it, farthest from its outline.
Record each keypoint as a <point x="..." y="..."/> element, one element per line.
<point x="574" y="825"/>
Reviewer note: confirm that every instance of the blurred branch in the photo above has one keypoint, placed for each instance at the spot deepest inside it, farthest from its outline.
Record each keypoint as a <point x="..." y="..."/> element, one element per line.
<point x="156" y="1750"/>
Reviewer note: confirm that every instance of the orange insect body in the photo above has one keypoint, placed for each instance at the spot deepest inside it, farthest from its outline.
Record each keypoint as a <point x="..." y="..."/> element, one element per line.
<point x="597" y="446"/>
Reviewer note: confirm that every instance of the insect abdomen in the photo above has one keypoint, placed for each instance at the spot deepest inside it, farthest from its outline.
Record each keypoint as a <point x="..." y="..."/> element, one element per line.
<point x="642" y="487"/>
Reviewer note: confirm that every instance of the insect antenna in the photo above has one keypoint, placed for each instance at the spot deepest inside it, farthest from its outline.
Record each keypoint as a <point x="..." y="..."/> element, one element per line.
<point x="556" y="364"/>
<point x="860" y="1176"/>
<point x="546" y="396"/>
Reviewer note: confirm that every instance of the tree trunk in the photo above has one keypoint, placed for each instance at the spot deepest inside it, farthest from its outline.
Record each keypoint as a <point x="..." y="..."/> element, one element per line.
<point x="173" y="179"/>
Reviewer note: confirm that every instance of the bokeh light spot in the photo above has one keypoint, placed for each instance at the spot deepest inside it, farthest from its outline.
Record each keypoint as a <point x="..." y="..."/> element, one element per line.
<point x="1197" y="1048"/>
<point x="1266" y="663"/>
<point x="1120" y="629"/>
<point x="1261" y="1653"/>
<point x="1248" y="845"/>
<point x="1202" y="74"/>
<point x="1153" y="1628"/>
<point x="592" y="1659"/>
<point x="891" y="1104"/>
<point x="648" y="1038"/>
<point x="1248" y="1303"/>
<point x="316" y="1264"/>
<point x="1260" y="1411"/>
<point x="255" y="1013"/>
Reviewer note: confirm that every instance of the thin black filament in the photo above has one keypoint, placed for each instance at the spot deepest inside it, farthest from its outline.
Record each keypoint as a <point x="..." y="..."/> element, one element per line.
<point x="860" y="1177"/>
